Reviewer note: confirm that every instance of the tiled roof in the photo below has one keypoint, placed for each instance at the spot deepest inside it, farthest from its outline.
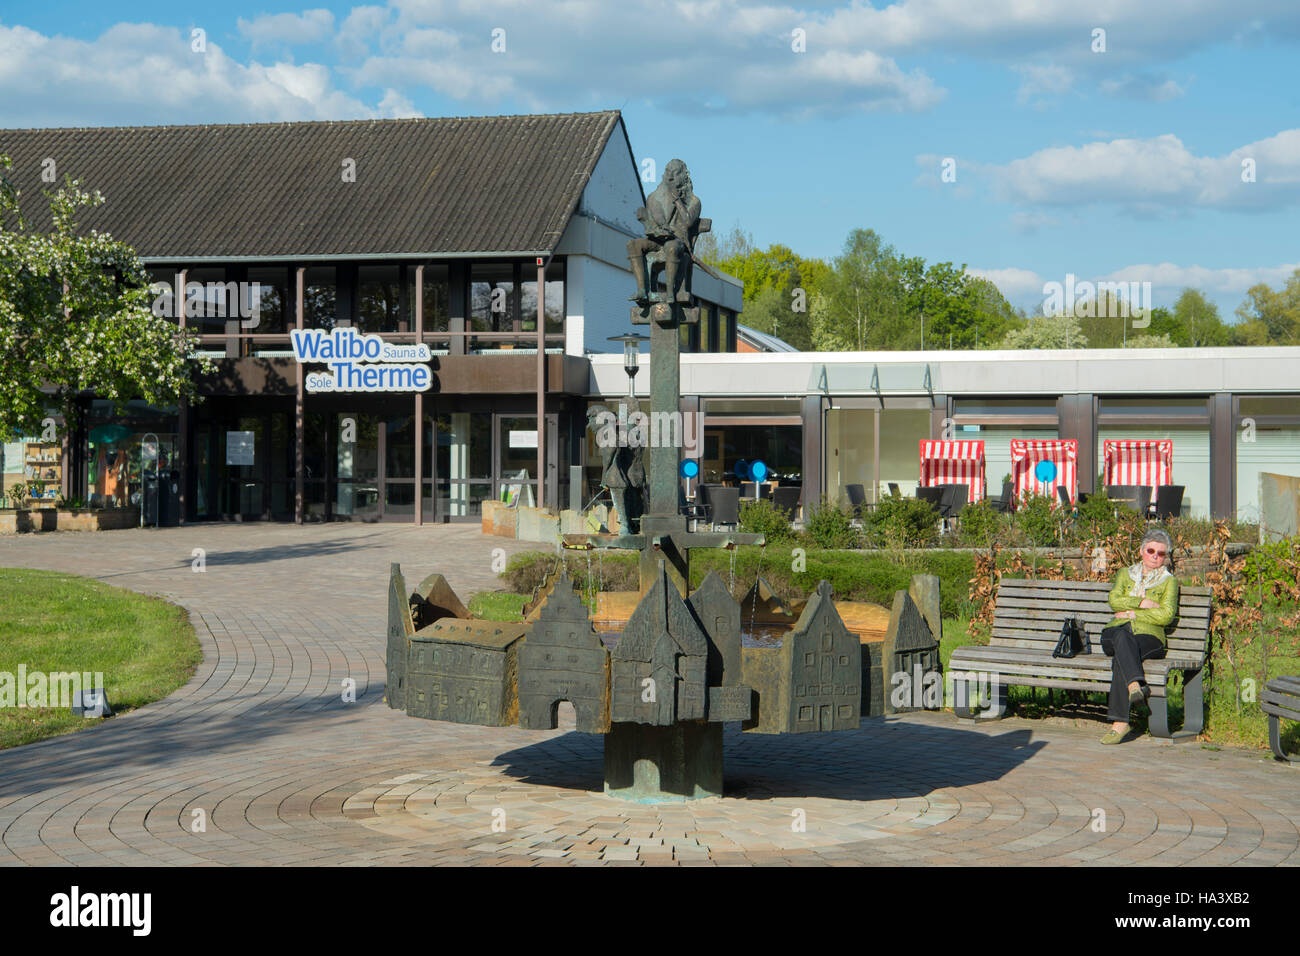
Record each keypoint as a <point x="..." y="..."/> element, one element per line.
<point x="505" y="184"/>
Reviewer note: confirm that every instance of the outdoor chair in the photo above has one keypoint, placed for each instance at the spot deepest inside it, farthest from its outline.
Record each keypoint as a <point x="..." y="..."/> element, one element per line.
<point x="1003" y="505"/>
<point x="1064" y="497"/>
<point x="953" y="501"/>
<point x="932" y="495"/>
<point x="894" y="489"/>
<point x="749" y="490"/>
<point x="1169" y="501"/>
<point x="1134" y="497"/>
<point x="786" y="500"/>
<point x="724" y="506"/>
<point x="857" y="498"/>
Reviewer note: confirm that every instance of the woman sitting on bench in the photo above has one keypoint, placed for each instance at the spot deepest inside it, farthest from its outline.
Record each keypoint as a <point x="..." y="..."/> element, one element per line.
<point x="1145" y="601"/>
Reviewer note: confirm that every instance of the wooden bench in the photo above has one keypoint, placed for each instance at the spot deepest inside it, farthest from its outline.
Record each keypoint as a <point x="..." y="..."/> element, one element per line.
<point x="1027" y="619"/>
<point x="1281" y="699"/>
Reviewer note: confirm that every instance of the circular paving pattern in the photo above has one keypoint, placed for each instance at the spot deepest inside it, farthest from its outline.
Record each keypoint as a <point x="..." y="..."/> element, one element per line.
<point x="258" y="760"/>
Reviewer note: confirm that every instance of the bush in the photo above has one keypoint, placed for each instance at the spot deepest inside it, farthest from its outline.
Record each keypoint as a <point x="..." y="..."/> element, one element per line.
<point x="610" y="571"/>
<point x="902" y="523"/>
<point x="1038" y="519"/>
<point x="830" y="526"/>
<point x="980" y="524"/>
<point x="763" y="517"/>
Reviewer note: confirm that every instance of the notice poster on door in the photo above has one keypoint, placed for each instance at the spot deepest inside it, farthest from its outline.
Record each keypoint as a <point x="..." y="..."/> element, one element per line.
<point x="239" y="448"/>
<point x="523" y="439"/>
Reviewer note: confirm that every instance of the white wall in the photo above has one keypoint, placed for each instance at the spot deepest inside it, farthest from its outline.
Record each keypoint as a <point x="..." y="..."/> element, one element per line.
<point x="598" y="306"/>
<point x="614" y="191"/>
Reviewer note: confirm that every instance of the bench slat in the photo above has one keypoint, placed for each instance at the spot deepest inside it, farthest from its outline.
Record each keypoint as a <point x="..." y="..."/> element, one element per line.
<point x="998" y="652"/>
<point x="1277" y="710"/>
<point x="1046" y="609"/>
<point x="1182" y="639"/>
<point x="1033" y="631"/>
<point x="1183" y="649"/>
<point x="1156" y="672"/>
<point x="1100" y="596"/>
<point x="1198" y="590"/>
<point x="1285" y="684"/>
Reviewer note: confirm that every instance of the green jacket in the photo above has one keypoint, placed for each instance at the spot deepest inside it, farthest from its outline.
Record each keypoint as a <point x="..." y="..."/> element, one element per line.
<point x="1151" y="620"/>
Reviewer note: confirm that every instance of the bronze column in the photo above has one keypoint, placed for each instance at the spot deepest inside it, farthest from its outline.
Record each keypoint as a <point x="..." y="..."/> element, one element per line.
<point x="299" y="462"/>
<point x="419" y="400"/>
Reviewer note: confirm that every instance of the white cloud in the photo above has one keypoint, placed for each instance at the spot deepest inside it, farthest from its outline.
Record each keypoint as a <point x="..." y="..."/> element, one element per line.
<point x="141" y="73"/>
<point x="1049" y="79"/>
<point x="1143" y="86"/>
<point x="1015" y="284"/>
<point x="310" y="26"/>
<point x="1159" y="173"/>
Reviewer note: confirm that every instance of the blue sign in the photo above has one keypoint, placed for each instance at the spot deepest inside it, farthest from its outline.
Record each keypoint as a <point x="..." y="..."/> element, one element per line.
<point x="742" y="470"/>
<point x="689" y="468"/>
<point x="1045" y="471"/>
<point x="758" y="471"/>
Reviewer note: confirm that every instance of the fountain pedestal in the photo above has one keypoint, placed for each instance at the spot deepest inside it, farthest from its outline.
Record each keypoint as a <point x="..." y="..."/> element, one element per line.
<point x="649" y="764"/>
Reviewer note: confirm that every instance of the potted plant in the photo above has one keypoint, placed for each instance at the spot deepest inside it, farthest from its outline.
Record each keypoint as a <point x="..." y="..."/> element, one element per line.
<point x="19" y="519"/>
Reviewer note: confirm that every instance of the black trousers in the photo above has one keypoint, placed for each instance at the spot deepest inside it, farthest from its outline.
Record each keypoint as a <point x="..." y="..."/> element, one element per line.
<point x="1129" y="651"/>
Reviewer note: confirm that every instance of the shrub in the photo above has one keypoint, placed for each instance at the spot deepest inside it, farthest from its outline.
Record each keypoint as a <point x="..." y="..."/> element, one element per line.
<point x="1040" y="522"/>
<point x="902" y="523"/>
<point x="980" y="524"/>
<point x="830" y="526"/>
<point x="763" y="517"/>
<point x="609" y="571"/>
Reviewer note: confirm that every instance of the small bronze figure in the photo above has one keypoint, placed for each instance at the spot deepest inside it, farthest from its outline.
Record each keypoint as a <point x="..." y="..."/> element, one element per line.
<point x="622" y="468"/>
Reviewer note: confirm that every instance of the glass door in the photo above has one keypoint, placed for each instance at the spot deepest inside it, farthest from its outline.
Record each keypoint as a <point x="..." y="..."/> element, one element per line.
<point x="516" y="477"/>
<point x="464" y="464"/>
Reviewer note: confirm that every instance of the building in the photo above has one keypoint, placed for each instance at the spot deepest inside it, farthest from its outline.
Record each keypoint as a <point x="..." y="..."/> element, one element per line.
<point x="430" y="232"/>
<point x="453" y="233"/>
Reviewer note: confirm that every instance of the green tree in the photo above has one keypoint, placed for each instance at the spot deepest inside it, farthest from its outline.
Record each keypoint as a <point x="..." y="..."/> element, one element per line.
<point x="75" y="315"/>
<point x="1271" y="317"/>
<point x="1041" y="332"/>
<point x="1196" y="322"/>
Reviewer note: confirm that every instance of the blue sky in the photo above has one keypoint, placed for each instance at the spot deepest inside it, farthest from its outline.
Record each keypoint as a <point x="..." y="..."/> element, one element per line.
<point x="1117" y="164"/>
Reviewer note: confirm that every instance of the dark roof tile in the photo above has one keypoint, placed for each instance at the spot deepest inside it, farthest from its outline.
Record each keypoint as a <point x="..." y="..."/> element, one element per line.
<point x="432" y="187"/>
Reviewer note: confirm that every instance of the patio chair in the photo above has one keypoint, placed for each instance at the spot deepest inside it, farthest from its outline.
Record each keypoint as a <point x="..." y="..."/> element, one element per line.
<point x="1002" y="505"/>
<point x="953" y="501"/>
<point x="786" y="499"/>
<point x="1064" y="497"/>
<point x="894" y="489"/>
<point x="932" y="495"/>
<point x="1169" y="501"/>
<point x="724" y="506"/>
<point x="857" y="498"/>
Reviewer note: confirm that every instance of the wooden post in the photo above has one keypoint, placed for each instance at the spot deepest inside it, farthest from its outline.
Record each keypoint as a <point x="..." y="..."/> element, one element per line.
<point x="541" y="382"/>
<point x="183" y="415"/>
<point x="299" y="462"/>
<point x="419" y="400"/>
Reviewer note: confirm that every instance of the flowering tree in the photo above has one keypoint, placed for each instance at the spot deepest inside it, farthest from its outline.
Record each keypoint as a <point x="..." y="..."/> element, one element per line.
<point x="75" y="316"/>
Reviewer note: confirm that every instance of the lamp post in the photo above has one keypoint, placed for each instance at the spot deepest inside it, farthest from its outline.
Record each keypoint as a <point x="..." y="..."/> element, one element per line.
<point x="631" y="358"/>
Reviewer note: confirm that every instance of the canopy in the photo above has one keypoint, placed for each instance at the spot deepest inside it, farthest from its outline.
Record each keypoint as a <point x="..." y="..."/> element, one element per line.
<point x="1040" y="466"/>
<point x="953" y="463"/>
<point x="1138" y="461"/>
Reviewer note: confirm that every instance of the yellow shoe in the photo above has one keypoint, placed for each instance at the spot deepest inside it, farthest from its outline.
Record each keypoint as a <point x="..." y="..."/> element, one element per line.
<point x="1113" y="736"/>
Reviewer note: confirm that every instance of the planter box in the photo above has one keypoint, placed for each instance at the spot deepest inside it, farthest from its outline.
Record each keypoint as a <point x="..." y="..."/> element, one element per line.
<point x="13" y="521"/>
<point x="105" y="519"/>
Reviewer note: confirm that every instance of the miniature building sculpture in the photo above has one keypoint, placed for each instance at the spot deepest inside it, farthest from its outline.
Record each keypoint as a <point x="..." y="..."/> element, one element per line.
<point x="563" y="659"/>
<point x="660" y="662"/>
<point x="465" y="671"/>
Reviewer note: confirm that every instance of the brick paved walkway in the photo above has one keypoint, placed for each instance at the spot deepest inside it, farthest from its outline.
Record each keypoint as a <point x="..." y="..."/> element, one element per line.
<point x="285" y="772"/>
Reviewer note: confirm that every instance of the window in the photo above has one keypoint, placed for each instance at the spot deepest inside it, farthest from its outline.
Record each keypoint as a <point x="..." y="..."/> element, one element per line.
<point x="492" y="298"/>
<point x="320" y="307"/>
<point x="554" y="303"/>
<point x="379" y="299"/>
<point x="437" y="299"/>
<point x="269" y="289"/>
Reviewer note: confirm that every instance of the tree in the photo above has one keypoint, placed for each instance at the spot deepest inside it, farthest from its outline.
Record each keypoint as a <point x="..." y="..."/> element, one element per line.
<point x="1269" y="317"/>
<point x="1041" y="332"/>
<point x="76" y="316"/>
<point x="1197" y="323"/>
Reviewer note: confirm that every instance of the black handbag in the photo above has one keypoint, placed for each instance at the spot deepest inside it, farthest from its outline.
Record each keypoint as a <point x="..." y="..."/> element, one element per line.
<point x="1073" y="641"/>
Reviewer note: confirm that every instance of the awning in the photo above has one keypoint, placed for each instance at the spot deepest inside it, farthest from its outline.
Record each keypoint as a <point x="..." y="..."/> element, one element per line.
<point x="1138" y="461"/>
<point x="1040" y="466"/>
<point x="953" y="463"/>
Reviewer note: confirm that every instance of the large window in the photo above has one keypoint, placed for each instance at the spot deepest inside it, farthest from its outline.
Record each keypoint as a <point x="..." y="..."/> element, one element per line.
<point x="275" y="301"/>
<point x="554" y="304"/>
<point x="767" y="431"/>
<point x="1268" y="441"/>
<point x="379" y="299"/>
<point x="492" y="305"/>
<point x="437" y="298"/>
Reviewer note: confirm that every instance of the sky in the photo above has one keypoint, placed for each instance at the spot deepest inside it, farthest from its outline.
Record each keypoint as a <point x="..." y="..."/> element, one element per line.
<point x="1111" y="140"/>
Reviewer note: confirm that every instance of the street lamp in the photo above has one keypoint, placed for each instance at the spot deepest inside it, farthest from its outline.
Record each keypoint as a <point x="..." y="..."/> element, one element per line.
<point x="631" y="357"/>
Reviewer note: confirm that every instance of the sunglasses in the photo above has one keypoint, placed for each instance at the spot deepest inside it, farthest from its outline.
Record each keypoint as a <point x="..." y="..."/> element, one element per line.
<point x="1154" y="553"/>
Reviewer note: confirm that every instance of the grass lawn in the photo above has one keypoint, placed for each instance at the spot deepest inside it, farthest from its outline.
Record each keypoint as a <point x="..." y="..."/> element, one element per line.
<point x="498" y="605"/>
<point x="50" y="622"/>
